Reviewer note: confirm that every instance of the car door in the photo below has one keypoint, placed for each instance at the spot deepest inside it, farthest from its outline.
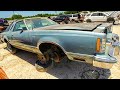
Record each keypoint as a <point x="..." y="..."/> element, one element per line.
<point x="94" y="17"/>
<point x="20" y="35"/>
<point x="102" y="17"/>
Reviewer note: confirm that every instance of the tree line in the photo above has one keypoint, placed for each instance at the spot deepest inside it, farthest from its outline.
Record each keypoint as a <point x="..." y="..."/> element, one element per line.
<point x="15" y="16"/>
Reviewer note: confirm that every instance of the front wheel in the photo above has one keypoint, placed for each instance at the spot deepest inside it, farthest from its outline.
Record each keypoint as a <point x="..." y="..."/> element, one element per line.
<point x="11" y="48"/>
<point x="43" y="67"/>
<point x="51" y="57"/>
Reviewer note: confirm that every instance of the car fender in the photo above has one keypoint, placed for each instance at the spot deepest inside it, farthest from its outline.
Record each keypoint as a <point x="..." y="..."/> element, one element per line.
<point x="4" y="38"/>
<point x="52" y="41"/>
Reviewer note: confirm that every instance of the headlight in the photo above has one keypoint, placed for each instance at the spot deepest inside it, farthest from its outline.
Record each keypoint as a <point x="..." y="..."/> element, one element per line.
<point x="103" y="45"/>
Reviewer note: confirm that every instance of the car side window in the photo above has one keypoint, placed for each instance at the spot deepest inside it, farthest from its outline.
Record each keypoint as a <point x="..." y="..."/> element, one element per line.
<point x="95" y="14"/>
<point x="101" y="14"/>
<point x="69" y="15"/>
<point x="75" y="15"/>
<point x="19" y="26"/>
<point x="62" y="17"/>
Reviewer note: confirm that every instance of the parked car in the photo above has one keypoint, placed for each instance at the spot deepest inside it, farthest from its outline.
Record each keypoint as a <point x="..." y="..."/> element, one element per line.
<point x="101" y="16"/>
<point x="73" y="17"/>
<point x="3" y="24"/>
<point x="93" y="44"/>
<point x="62" y="18"/>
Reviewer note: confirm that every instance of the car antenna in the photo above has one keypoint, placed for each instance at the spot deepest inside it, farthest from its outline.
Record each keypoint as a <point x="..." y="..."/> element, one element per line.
<point x="13" y="17"/>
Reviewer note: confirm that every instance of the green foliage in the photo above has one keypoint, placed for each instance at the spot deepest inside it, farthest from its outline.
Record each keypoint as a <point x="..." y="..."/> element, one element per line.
<point x="8" y="18"/>
<point x="16" y="16"/>
<point x="44" y="15"/>
<point x="71" y="12"/>
<point x="61" y="13"/>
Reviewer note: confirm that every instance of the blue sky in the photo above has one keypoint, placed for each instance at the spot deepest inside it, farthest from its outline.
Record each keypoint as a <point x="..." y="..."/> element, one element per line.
<point x="7" y="14"/>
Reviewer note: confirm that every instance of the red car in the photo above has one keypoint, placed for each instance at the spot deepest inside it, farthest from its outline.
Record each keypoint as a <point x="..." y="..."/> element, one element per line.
<point x="3" y="24"/>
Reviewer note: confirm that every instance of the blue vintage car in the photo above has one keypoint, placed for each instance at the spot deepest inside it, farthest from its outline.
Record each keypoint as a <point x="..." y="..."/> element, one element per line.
<point x="91" y="43"/>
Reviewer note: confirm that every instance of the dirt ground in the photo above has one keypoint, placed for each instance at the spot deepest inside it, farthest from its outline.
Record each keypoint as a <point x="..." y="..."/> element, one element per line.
<point x="22" y="66"/>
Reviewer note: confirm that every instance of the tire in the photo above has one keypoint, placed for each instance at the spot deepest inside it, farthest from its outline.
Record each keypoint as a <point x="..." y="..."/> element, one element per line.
<point x="51" y="58"/>
<point x="10" y="48"/>
<point x="43" y="67"/>
<point x="110" y="20"/>
<point x="88" y="20"/>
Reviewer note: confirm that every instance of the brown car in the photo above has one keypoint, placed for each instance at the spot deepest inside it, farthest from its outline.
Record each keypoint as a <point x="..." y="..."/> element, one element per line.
<point x="1" y="28"/>
<point x="3" y="24"/>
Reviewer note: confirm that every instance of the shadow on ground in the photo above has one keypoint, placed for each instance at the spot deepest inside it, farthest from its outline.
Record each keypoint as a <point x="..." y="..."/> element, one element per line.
<point x="69" y="70"/>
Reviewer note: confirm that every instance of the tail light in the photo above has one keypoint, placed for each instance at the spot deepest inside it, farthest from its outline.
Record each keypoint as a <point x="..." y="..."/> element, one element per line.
<point x="100" y="45"/>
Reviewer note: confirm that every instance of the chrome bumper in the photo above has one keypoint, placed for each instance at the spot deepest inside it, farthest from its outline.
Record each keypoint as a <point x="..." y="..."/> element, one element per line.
<point x="105" y="60"/>
<point x="108" y="59"/>
<point x="100" y="60"/>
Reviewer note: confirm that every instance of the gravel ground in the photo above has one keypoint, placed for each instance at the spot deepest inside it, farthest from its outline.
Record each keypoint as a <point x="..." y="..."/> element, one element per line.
<point x="22" y="66"/>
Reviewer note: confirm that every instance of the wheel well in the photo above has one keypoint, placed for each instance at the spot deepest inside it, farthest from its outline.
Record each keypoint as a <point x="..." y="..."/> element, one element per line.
<point x="45" y="46"/>
<point x="5" y="41"/>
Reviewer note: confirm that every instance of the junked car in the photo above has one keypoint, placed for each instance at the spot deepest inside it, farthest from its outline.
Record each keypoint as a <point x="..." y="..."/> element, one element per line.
<point x="51" y="42"/>
<point x="102" y="17"/>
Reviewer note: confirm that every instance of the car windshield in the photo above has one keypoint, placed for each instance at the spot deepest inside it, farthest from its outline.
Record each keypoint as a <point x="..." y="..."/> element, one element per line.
<point x="37" y="23"/>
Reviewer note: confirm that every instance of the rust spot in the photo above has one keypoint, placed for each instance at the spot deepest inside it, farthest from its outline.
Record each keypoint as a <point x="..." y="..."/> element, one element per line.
<point x="3" y="74"/>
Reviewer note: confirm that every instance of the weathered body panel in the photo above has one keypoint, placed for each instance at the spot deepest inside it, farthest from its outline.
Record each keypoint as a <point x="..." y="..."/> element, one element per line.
<point x="75" y="41"/>
<point x="72" y="41"/>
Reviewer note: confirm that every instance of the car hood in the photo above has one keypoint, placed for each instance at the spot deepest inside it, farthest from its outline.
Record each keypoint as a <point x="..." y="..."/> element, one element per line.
<point x="82" y="26"/>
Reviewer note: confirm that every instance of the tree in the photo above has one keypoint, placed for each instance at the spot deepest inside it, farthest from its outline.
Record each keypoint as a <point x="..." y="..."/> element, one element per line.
<point x="61" y="13"/>
<point x="16" y="16"/>
<point x="71" y="12"/>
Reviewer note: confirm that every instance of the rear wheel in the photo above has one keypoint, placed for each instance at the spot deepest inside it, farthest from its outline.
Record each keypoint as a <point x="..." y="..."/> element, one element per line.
<point x="88" y="20"/>
<point x="110" y="20"/>
<point x="11" y="48"/>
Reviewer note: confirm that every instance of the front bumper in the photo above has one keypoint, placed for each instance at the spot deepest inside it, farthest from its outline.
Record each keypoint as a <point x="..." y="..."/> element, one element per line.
<point x="106" y="60"/>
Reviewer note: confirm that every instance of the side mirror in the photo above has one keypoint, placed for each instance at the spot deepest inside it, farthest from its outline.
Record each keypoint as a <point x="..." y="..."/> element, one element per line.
<point x="21" y="31"/>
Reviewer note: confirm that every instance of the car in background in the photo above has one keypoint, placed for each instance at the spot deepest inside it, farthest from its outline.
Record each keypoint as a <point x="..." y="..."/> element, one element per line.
<point x="3" y="24"/>
<point x="101" y="16"/>
<point x="62" y="18"/>
<point x="73" y="17"/>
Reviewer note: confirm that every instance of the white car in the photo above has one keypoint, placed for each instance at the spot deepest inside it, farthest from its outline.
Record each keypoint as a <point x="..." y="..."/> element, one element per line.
<point x="100" y="16"/>
<point x="73" y="17"/>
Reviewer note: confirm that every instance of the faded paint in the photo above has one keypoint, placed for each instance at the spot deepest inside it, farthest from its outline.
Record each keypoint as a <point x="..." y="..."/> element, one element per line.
<point x="76" y="40"/>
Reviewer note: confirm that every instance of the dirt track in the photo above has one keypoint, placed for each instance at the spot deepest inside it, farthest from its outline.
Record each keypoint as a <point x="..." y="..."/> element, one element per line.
<point x="21" y="66"/>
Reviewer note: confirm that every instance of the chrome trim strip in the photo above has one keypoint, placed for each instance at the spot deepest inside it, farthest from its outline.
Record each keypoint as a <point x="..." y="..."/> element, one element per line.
<point x="26" y="48"/>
